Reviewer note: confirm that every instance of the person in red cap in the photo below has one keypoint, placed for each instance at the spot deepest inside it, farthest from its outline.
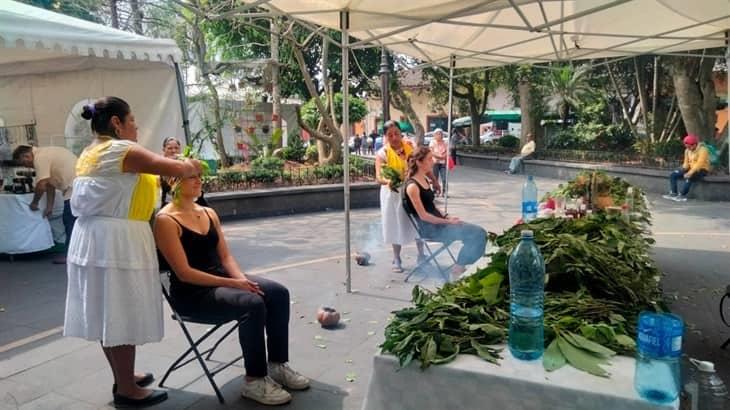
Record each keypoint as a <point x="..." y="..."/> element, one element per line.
<point x="695" y="166"/>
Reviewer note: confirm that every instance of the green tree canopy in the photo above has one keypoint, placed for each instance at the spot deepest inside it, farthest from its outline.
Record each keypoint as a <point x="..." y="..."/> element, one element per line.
<point x="358" y="110"/>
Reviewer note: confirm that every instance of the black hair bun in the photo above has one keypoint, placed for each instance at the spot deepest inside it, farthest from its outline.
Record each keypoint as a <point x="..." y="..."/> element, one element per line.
<point x="88" y="112"/>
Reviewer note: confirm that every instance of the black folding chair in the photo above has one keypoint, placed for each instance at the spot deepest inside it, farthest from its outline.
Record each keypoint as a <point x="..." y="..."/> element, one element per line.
<point x="431" y="257"/>
<point x="194" y="349"/>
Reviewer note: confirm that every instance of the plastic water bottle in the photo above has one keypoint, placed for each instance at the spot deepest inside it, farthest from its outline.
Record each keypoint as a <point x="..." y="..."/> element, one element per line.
<point x="529" y="200"/>
<point x="527" y="292"/>
<point x="707" y="390"/>
<point x="628" y="206"/>
<point x="659" y="347"/>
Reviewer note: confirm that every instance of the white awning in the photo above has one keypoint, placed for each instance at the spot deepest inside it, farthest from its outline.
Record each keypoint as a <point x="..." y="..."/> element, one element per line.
<point x="30" y="33"/>
<point x="489" y="33"/>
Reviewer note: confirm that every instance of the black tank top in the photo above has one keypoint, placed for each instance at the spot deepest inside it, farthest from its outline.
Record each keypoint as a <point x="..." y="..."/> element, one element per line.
<point x="427" y="199"/>
<point x="201" y="251"/>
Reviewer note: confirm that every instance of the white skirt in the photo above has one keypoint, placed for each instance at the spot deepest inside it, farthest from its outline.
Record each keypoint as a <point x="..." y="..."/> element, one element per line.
<point x="397" y="228"/>
<point x="117" y="305"/>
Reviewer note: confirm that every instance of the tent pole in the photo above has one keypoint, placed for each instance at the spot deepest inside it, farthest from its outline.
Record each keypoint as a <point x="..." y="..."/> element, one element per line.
<point x="183" y="103"/>
<point x="344" y="27"/>
<point x="727" y="96"/>
<point x="445" y="189"/>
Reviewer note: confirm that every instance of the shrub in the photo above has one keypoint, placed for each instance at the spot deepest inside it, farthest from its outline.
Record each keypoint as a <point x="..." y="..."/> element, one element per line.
<point x="670" y="150"/>
<point x="329" y="171"/>
<point x="312" y="153"/>
<point x="268" y="164"/>
<point x="357" y="163"/>
<point x="509" y="141"/>
<point x="295" y="151"/>
<point x="593" y="137"/>
<point x="230" y="176"/>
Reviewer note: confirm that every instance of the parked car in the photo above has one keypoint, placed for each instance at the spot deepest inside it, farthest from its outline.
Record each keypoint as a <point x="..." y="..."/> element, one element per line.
<point x="488" y="136"/>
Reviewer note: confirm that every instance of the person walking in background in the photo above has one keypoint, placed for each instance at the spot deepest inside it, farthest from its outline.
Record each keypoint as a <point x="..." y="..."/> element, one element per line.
<point x="55" y="169"/>
<point x="527" y="150"/>
<point x="113" y="292"/>
<point x="357" y="143"/>
<point x="695" y="166"/>
<point x="371" y="145"/>
<point x="439" y="150"/>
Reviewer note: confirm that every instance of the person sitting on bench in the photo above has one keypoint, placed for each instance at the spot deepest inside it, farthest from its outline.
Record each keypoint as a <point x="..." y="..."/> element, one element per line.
<point x="206" y="281"/>
<point x="527" y="150"/>
<point x="432" y="224"/>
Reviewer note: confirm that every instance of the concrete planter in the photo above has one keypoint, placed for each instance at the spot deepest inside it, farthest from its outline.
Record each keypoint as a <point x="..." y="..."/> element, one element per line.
<point x="289" y="201"/>
<point x="711" y="188"/>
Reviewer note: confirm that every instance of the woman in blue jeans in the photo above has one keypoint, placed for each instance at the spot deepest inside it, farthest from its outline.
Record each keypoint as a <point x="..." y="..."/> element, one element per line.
<point x="432" y="224"/>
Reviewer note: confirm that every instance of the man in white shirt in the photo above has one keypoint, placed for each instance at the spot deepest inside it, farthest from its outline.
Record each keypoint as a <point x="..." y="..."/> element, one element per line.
<point x="55" y="169"/>
<point x="526" y="151"/>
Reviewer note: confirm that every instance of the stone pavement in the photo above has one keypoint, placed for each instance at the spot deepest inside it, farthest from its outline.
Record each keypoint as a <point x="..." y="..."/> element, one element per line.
<point x="39" y="369"/>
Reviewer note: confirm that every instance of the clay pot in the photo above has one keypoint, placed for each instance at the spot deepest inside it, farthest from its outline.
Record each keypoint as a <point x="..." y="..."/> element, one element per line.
<point x="328" y="317"/>
<point x="362" y="258"/>
<point x="603" y="201"/>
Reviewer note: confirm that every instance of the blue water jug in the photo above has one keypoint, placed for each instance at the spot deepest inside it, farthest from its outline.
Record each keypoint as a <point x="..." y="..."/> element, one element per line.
<point x="527" y="293"/>
<point x="659" y="347"/>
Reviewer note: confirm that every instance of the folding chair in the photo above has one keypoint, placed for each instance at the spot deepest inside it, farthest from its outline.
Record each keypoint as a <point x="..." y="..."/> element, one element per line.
<point x="194" y="344"/>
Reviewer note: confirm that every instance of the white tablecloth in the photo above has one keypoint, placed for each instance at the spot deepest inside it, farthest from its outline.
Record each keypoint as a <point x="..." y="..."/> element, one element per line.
<point x="25" y="231"/>
<point x="471" y="383"/>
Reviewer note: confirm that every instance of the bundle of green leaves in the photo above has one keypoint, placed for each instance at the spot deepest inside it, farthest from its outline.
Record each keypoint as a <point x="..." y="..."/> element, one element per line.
<point x="599" y="277"/>
<point x="394" y="177"/>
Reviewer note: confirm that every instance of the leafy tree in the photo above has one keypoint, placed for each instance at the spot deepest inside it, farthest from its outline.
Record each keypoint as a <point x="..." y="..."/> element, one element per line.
<point x="84" y="9"/>
<point x="572" y="88"/>
<point x="357" y="110"/>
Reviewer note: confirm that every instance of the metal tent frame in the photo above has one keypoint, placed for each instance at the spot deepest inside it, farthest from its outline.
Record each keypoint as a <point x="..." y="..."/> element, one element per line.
<point x="382" y="29"/>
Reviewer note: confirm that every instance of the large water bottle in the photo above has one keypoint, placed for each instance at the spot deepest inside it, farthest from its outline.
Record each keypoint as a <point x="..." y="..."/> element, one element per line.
<point x="658" y="351"/>
<point x="527" y="292"/>
<point x="707" y="390"/>
<point x="529" y="200"/>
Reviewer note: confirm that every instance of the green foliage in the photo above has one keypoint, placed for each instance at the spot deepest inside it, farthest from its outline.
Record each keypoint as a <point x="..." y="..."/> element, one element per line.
<point x="572" y="87"/>
<point x="357" y="164"/>
<point x="358" y="110"/>
<point x="295" y="150"/>
<point x="332" y="171"/>
<point x="593" y="136"/>
<point x="491" y="148"/>
<point x="509" y="141"/>
<point x="599" y="277"/>
<point x="267" y="164"/>
<point x="670" y="150"/>
<point x="83" y="9"/>
<point x="312" y="153"/>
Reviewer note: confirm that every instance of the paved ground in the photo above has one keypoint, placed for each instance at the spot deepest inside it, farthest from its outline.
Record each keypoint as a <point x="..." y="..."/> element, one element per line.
<point x="39" y="369"/>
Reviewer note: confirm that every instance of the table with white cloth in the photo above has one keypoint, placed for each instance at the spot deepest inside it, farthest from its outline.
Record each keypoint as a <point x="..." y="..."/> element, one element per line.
<point x="25" y="231"/>
<point x="472" y="383"/>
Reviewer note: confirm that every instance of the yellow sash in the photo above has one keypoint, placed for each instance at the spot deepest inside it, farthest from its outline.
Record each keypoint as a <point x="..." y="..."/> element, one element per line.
<point x="393" y="160"/>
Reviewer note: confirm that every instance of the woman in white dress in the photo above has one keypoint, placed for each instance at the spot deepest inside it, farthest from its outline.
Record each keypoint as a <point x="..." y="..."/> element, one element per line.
<point x="113" y="281"/>
<point x="397" y="229"/>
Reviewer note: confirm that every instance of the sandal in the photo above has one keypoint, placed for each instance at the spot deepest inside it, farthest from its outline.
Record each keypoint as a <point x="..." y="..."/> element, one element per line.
<point x="397" y="268"/>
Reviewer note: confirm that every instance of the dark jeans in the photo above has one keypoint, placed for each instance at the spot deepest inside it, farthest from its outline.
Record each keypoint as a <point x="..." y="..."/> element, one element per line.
<point x="679" y="174"/>
<point x="68" y="221"/>
<point x="473" y="237"/>
<point x="269" y="313"/>
<point x="439" y="171"/>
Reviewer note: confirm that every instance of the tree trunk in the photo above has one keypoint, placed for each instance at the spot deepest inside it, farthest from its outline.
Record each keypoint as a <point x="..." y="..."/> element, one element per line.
<point x="225" y="161"/>
<point x="402" y="102"/>
<point x="114" y="13"/>
<point x="527" y="124"/>
<point x="275" y="86"/>
<point x="620" y="99"/>
<point x="643" y="97"/>
<point x="136" y="16"/>
<point x="695" y="93"/>
<point x="476" y="120"/>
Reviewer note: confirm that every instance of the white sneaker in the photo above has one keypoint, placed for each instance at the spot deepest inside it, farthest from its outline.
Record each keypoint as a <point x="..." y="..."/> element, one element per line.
<point x="287" y="377"/>
<point x="265" y="391"/>
<point x="670" y="196"/>
<point x="680" y="198"/>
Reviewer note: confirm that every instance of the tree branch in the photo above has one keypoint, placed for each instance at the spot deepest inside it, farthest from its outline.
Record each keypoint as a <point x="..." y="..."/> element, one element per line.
<point x="314" y="133"/>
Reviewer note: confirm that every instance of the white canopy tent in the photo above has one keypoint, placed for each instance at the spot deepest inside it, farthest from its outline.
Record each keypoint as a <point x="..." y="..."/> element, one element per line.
<point x="51" y="63"/>
<point x="483" y="33"/>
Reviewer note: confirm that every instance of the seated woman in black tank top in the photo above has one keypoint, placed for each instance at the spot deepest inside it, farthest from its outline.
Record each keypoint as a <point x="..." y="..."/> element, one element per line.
<point x="434" y="225"/>
<point x="207" y="282"/>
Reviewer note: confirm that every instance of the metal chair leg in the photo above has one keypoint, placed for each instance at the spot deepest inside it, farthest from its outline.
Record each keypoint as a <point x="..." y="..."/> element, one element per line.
<point x="222" y="338"/>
